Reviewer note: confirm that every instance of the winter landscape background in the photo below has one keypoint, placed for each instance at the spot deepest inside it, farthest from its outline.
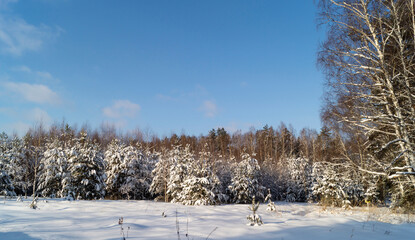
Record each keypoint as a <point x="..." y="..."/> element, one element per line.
<point x="217" y="72"/>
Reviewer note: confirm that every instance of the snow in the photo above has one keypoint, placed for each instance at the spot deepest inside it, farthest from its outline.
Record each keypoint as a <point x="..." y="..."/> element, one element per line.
<point x="59" y="219"/>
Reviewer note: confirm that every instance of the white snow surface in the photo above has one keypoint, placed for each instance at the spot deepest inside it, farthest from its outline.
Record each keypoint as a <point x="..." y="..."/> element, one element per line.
<point x="60" y="219"/>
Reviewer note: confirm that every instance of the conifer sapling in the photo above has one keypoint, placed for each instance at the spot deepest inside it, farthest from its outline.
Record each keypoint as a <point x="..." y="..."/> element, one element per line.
<point x="255" y="219"/>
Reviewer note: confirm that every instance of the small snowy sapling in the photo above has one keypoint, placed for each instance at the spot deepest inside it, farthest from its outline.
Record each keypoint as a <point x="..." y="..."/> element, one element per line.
<point x="271" y="205"/>
<point x="255" y="219"/>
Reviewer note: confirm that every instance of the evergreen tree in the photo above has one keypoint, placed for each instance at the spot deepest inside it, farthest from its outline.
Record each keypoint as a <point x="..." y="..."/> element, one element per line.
<point x="201" y="186"/>
<point x="160" y="175"/>
<point x="128" y="171"/>
<point x="6" y="186"/>
<point x="15" y="158"/>
<point x="337" y="184"/>
<point x="182" y="161"/>
<point x="245" y="180"/>
<point x="138" y="174"/>
<point x="224" y="170"/>
<point x="115" y="169"/>
<point x="53" y="166"/>
<point x="295" y="175"/>
<point x="271" y="205"/>
<point x="254" y="218"/>
<point x="86" y="167"/>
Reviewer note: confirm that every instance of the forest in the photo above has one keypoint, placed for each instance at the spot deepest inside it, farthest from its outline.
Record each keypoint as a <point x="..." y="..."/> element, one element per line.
<point x="212" y="169"/>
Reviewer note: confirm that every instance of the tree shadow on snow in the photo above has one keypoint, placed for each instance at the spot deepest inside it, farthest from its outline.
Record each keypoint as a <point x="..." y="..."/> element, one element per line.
<point x="16" y="236"/>
<point x="339" y="231"/>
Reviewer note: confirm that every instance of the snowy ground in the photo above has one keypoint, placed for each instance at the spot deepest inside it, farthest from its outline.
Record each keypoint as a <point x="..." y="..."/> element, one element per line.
<point x="58" y="219"/>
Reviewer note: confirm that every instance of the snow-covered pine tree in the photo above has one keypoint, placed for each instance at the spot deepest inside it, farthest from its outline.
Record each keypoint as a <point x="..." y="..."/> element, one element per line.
<point x="271" y="178"/>
<point x="254" y="218"/>
<point x="86" y="167"/>
<point x="15" y="164"/>
<point x="295" y="174"/>
<point x="6" y="186"/>
<point x="182" y="160"/>
<point x="224" y="169"/>
<point x="271" y="205"/>
<point x="138" y="173"/>
<point x="115" y="169"/>
<point x="245" y="180"/>
<point x="128" y="171"/>
<point x="336" y="184"/>
<point x="160" y="175"/>
<point x="53" y="166"/>
<point x="201" y="186"/>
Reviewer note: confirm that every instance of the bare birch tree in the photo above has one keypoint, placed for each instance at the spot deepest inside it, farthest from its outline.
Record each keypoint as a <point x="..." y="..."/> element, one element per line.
<point x="368" y="58"/>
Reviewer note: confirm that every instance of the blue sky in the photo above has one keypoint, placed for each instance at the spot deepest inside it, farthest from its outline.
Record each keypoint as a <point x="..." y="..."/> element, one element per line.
<point x="169" y="66"/>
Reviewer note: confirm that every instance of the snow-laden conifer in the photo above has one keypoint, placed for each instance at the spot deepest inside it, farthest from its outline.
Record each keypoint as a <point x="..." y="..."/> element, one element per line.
<point x="128" y="171"/>
<point x="160" y="174"/>
<point x="270" y="205"/>
<point x="15" y="155"/>
<point x="201" y="186"/>
<point x="86" y="168"/>
<point x="294" y="174"/>
<point x="115" y="169"/>
<point x="6" y="186"/>
<point x="138" y="173"/>
<point x="254" y="218"/>
<point x="53" y="167"/>
<point x="182" y="160"/>
<point x="336" y="184"/>
<point x="246" y="180"/>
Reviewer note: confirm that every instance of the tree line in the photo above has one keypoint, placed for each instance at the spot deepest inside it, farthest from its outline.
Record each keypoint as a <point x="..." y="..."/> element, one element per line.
<point x="209" y="169"/>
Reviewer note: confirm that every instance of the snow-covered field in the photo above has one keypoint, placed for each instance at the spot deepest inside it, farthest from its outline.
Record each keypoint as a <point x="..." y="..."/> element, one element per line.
<point x="59" y="219"/>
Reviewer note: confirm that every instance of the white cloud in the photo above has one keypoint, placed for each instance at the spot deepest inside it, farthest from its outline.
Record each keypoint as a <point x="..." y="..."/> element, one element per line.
<point x="198" y="92"/>
<point x="39" y="115"/>
<point x="167" y="98"/>
<point x="18" y="36"/>
<point x="209" y="108"/>
<point x="4" y="4"/>
<point x="37" y="93"/>
<point x="20" y="121"/>
<point x="42" y="76"/>
<point x="45" y="75"/>
<point x="232" y="127"/>
<point x="18" y="127"/>
<point x="25" y="69"/>
<point x="119" y="124"/>
<point x="121" y="109"/>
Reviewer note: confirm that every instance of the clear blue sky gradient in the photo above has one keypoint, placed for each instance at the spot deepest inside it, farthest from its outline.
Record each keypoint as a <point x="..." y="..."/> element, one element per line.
<point x="171" y="66"/>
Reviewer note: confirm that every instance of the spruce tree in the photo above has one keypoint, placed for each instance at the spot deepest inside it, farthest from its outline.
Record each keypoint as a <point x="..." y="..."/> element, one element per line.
<point x="16" y="161"/>
<point x="182" y="159"/>
<point x="53" y="167"/>
<point x="246" y="180"/>
<point x="138" y="174"/>
<point x="160" y="175"/>
<point x="6" y="186"/>
<point x="115" y="168"/>
<point x="201" y="186"/>
<point x="86" y="168"/>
